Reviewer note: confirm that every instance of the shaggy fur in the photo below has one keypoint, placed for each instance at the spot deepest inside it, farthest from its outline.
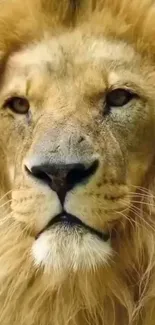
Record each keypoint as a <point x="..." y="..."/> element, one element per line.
<point x="122" y="291"/>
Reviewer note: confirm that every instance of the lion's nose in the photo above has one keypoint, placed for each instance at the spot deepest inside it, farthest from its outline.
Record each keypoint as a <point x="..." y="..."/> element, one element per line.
<point x="63" y="177"/>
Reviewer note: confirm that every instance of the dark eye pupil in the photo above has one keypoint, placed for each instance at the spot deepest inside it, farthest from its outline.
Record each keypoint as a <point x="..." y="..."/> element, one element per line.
<point x="119" y="97"/>
<point x="18" y="105"/>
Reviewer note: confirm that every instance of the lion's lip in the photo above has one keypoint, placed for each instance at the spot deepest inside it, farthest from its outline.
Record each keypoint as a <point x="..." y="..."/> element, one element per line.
<point x="72" y="221"/>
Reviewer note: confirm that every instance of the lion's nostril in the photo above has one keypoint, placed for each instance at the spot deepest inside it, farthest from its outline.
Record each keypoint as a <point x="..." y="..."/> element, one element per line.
<point x="63" y="177"/>
<point x="79" y="174"/>
<point x="37" y="173"/>
<point x="81" y="139"/>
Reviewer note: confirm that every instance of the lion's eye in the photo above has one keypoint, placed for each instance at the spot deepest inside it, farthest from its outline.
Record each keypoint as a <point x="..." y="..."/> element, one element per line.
<point x="119" y="97"/>
<point x="18" y="105"/>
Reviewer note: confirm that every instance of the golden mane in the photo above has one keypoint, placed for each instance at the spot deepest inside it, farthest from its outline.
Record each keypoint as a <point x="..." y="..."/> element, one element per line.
<point x="21" y="22"/>
<point x="124" y="292"/>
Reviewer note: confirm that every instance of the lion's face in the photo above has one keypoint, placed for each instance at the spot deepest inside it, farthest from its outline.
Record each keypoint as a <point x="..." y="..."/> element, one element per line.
<point x="77" y="115"/>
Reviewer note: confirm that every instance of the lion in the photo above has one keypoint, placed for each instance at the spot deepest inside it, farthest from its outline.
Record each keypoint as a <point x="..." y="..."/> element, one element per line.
<point x="77" y="162"/>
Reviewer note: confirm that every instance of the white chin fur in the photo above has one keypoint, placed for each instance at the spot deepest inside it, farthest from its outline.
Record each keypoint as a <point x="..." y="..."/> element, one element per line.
<point x="62" y="249"/>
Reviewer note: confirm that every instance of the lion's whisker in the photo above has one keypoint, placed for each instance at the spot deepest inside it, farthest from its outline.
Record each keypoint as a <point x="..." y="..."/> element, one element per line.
<point x="142" y="195"/>
<point x="143" y="203"/>
<point x="131" y="221"/>
<point x="143" y="189"/>
<point x="6" y="194"/>
<point x="2" y="206"/>
<point x="135" y="210"/>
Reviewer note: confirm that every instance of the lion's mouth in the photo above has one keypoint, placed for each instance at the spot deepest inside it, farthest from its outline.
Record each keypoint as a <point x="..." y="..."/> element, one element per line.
<point x="70" y="220"/>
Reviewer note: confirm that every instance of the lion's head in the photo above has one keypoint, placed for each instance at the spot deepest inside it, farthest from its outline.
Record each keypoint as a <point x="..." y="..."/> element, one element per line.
<point x="77" y="122"/>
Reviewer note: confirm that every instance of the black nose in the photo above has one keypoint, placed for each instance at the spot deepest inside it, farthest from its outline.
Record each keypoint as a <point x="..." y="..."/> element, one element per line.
<point x="63" y="177"/>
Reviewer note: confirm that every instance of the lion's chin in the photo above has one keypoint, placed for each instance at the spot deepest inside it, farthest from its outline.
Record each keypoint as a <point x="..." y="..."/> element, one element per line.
<point x="63" y="248"/>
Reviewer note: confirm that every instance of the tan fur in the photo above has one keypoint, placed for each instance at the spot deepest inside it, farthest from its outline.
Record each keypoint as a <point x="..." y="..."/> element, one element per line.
<point x="63" y="56"/>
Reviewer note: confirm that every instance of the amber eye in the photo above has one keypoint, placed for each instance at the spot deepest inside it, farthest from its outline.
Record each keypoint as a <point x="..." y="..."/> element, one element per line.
<point x="18" y="105"/>
<point x="119" y="97"/>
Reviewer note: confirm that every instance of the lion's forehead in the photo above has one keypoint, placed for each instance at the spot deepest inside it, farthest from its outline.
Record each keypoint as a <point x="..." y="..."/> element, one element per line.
<point x="93" y="62"/>
<point x="75" y="49"/>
